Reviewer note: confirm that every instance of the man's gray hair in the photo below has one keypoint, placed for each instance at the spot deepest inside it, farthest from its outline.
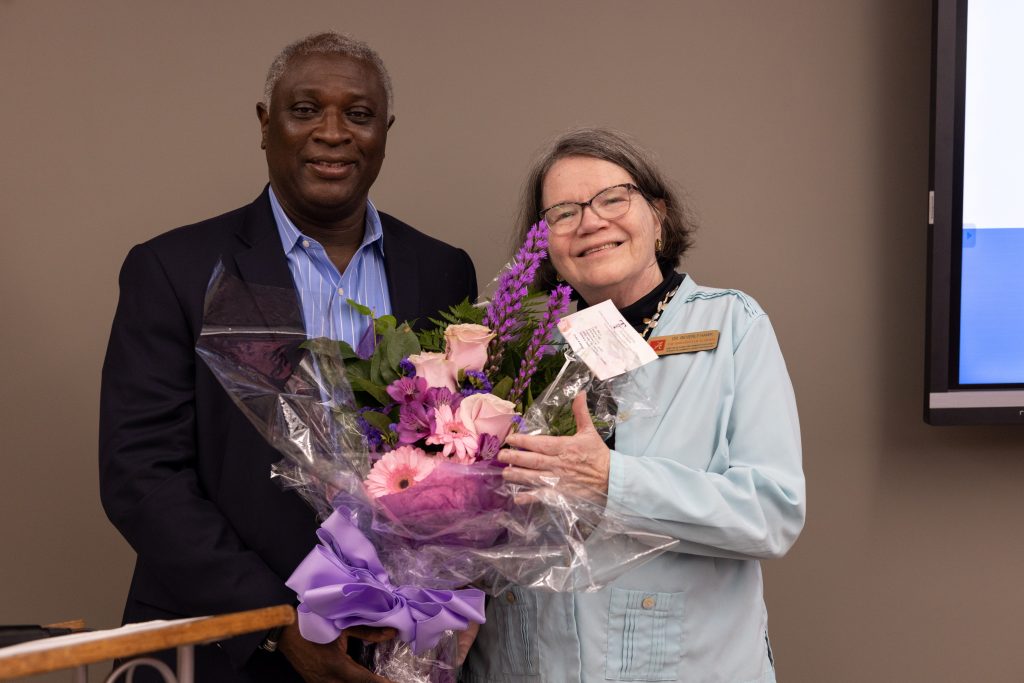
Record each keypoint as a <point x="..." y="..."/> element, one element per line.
<point x="328" y="43"/>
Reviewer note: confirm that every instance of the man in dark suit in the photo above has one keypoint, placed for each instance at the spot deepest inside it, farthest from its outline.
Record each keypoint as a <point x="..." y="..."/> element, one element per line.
<point x="183" y="475"/>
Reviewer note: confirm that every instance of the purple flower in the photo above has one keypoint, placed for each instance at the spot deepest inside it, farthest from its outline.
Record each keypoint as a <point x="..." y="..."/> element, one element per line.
<point x="513" y="286"/>
<point x="441" y="396"/>
<point x="479" y="384"/>
<point x="415" y="421"/>
<point x="367" y="342"/>
<point x="489" y="447"/>
<point x="374" y="439"/>
<point x="407" y="389"/>
<point x="558" y="304"/>
<point x="407" y="368"/>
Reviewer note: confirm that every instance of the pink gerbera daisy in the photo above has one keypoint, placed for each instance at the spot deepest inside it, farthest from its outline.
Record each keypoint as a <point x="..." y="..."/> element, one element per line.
<point x="460" y="441"/>
<point x="397" y="470"/>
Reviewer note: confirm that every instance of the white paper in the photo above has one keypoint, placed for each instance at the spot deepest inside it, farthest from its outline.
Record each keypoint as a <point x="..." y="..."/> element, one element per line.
<point x="56" y="642"/>
<point x="601" y="338"/>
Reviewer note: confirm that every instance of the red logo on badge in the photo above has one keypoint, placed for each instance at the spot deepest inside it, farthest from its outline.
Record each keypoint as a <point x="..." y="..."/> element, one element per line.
<point x="657" y="344"/>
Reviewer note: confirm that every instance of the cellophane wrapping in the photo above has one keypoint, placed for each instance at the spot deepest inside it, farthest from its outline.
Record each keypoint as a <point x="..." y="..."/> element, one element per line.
<point x="432" y="548"/>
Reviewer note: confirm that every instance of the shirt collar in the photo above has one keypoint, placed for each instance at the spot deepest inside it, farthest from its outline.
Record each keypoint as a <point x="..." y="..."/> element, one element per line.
<point x="291" y="236"/>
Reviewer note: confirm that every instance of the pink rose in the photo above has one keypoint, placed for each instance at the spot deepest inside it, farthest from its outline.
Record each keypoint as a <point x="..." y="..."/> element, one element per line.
<point x="487" y="414"/>
<point x="436" y="369"/>
<point x="466" y="346"/>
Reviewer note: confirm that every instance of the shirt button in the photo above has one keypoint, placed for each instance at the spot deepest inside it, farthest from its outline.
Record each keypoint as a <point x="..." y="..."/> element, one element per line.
<point x="648" y="602"/>
<point x="510" y="597"/>
<point x="305" y="243"/>
<point x="341" y="291"/>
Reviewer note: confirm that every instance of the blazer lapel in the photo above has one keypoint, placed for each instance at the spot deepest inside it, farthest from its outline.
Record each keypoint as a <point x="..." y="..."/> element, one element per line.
<point x="262" y="262"/>
<point x="403" y="272"/>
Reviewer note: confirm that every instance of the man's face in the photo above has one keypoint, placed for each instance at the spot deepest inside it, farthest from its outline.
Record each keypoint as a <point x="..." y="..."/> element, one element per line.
<point x="325" y="136"/>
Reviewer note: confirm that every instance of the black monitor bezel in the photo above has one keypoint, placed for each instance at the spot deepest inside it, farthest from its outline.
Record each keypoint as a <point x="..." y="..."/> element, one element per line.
<point x="947" y="401"/>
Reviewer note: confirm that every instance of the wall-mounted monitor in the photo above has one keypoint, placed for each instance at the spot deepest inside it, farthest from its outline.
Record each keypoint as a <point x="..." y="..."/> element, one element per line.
<point x="975" y="329"/>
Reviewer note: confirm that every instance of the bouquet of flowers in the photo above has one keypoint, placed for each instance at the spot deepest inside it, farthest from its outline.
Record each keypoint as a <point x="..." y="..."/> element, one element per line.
<point x="394" y="443"/>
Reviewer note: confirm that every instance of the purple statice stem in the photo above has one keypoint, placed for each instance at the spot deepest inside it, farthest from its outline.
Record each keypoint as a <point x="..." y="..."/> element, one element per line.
<point x="374" y="437"/>
<point x="558" y="304"/>
<point x="485" y="384"/>
<point x="513" y="286"/>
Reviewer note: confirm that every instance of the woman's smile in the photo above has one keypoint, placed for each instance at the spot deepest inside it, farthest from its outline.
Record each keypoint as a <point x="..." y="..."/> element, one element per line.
<point x="599" y="248"/>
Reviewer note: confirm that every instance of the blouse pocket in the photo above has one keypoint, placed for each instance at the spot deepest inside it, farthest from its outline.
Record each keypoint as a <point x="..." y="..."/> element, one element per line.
<point x="515" y="613"/>
<point x="645" y="633"/>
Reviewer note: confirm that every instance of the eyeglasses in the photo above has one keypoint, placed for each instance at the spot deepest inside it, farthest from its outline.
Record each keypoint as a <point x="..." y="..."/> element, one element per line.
<point x="609" y="203"/>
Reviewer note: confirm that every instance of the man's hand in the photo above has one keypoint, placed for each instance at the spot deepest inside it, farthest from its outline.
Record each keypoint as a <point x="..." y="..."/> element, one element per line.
<point x="331" y="663"/>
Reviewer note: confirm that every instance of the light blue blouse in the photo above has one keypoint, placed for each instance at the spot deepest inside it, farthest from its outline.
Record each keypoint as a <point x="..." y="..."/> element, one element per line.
<point x="718" y="465"/>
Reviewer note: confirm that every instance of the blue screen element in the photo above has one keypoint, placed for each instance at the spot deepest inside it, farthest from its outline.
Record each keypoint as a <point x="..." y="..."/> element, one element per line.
<point x="992" y="306"/>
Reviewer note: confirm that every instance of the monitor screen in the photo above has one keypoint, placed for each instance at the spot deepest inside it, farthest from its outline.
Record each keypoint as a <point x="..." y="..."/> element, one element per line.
<point x="992" y="259"/>
<point x="974" y="359"/>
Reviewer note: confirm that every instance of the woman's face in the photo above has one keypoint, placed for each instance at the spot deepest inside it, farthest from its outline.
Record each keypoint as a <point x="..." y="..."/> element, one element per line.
<point x="603" y="259"/>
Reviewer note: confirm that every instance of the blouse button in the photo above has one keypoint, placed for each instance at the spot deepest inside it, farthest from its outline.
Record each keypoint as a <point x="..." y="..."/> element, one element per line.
<point x="648" y="602"/>
<point x="510" y="597"/>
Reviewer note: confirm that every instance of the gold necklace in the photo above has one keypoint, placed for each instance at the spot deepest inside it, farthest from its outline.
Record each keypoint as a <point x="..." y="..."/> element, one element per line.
<point x="652" y="322"/>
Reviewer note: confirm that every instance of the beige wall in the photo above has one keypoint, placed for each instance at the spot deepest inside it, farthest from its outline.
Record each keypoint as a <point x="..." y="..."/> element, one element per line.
<point x="799" y="130"/>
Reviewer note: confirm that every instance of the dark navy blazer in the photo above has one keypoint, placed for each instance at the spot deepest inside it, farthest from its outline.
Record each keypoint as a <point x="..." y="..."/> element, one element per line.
<point x="183" y="475"/>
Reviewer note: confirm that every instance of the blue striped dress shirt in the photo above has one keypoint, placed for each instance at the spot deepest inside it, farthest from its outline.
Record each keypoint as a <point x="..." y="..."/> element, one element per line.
<point x="324" y="291"/>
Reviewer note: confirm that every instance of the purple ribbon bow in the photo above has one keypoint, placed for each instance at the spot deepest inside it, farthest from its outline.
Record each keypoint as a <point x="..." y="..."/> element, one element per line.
<point x="342" y="583"/>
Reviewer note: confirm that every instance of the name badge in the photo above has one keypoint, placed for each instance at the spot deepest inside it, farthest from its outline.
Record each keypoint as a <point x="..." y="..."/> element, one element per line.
<point x="690" y="342"/>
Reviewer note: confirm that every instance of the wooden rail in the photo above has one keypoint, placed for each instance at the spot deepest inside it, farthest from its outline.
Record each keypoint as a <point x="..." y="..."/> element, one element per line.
<point x="79" y="649"/>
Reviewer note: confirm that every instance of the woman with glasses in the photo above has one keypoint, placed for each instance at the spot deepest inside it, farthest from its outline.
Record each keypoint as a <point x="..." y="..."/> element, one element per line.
<point x="718" y="464"/>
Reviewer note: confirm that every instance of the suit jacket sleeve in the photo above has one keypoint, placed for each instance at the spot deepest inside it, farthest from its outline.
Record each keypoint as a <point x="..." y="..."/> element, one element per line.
<point x="149" y="481"/>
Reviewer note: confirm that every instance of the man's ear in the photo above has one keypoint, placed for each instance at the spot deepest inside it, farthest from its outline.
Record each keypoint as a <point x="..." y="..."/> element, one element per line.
<point x="391" y="121"/>
<point x="264" y="116"/>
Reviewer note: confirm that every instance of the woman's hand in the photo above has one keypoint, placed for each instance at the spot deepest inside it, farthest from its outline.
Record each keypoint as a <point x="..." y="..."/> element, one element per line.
<point x="578" y="464"/>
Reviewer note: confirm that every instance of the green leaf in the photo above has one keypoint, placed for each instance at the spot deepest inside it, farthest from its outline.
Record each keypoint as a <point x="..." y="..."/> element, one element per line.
<point x="331" y="357"/>
<point x="358" y="368"/>
<point x="502" y="388"/>
<point x="563" y="422"/>
<point x="365" y="310"/>
<point x="384" y="324"/>
<point x="403" y="343"/>
<point x="431" y="340"/>
<point x="375" y="390"/>
<point x="322" y="346"/>
<point x="466" y="312"/>
<point x="387" y="373"/>
<point x="346" y="351"/>
<point x="380" y="421"/>
<point x="375" y="364"/>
